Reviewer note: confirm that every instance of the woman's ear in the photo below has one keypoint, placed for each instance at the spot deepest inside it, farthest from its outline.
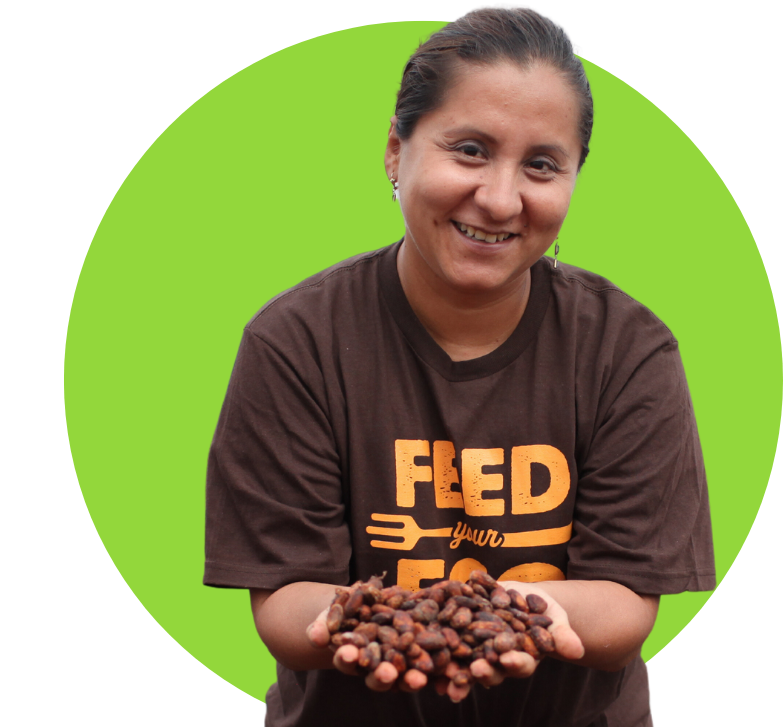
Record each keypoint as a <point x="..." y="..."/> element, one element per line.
<point x="392" y="153"/>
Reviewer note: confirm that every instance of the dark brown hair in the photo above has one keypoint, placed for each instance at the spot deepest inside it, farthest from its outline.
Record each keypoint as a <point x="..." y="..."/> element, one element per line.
<point x="489" y="36"/>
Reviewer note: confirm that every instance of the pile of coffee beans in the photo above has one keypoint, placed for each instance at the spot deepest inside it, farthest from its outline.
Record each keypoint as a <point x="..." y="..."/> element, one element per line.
<point x="438" y="630"/>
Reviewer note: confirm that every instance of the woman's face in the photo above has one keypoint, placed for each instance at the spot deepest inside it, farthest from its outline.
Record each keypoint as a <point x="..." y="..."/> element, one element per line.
<point x="486" y="178"/>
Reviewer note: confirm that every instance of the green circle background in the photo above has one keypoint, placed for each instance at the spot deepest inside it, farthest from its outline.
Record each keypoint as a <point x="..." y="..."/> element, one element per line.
<point x="278" y="173"/>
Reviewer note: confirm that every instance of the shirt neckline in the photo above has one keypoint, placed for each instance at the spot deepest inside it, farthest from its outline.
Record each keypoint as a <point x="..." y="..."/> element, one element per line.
<point x="432" y="354"/>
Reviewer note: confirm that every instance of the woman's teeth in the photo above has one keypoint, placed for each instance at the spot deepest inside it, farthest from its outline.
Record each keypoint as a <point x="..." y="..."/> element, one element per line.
<point x="482" y="235"/>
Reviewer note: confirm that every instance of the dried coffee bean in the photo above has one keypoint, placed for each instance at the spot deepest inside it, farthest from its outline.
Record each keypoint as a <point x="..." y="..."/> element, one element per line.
<point x="381" y="608"/>
<point x="469" y="638"/>
<point x="453" y="588"/>
<point x="490" y="654"/>
<point x="368" y="630"/>
<point x="388" y="635"/>
<point x="517" y="625"/>
<point x="525" y="643"/>
<point x="521" y="615"/>
<point x="517" y="600"/>
<point x="500" y="598"/>
<point x="449" y="609"/>
<point x="383" y="618"/>
<point x="504" y="642"/>
<point x="425" y="611"/>
<point x="539" y="620"/>
<point x="466" y="590"/>
<point x="483" y="579"/>
<point x="462" y="651"/>
<point x="465" y="602"/>
<point x="461" y="619"/>
<point x="452" y="639"/>
<point x="503" y="614"/>
<point x="403" y="622"/>
<point x="397" y="660"/>
<point x="495" y="626"/>
<point x="423" y="663"/>
<point x="438" y="595"/>
<point x="431" y="640"/>
<point x="484" y="634"/>
<point x="377" y="581"/>
<point x="334" y="617"/>
<point x="418" y="628"/>
<point x="536" y="604"/>
<point x="353" y="603"/>
<point x="421" y="594"/>
<point x="413" y="651"/>
<point x="353" y="638"/>
<point x="542" y="638"/>
<point x="364" y="613"/>
<point x="483" y="604"/>
<point x="408" y="605"/>
<point x="369" y="656"/>
<point x="370" y="593"/>
<point x="441" y="659"/>
<point x="348" y="624"/>
<point x="489" y="617"/>
<point x="406" y="639"/>
<point x="480" y="590"/>
<point x="341" y="596"/>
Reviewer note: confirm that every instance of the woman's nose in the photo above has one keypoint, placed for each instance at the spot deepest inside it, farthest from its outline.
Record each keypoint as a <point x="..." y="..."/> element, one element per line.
<point x="499" y="194"/>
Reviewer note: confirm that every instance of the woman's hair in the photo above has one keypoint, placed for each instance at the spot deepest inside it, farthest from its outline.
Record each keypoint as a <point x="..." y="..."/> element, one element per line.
<point x="488" y="36"/>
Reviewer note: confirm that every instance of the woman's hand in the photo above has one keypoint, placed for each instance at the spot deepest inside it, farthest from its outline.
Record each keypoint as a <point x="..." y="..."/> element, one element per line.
<point x="518" y="664"/>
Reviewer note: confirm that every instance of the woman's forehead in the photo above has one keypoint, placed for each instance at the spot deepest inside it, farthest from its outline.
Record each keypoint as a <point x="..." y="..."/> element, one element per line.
<point x="504" y="99"/>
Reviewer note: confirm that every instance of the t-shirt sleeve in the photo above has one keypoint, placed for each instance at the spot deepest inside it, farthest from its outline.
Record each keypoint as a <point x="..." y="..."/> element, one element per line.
<point x="275" y="510"/>
<point x="641" y="514"/>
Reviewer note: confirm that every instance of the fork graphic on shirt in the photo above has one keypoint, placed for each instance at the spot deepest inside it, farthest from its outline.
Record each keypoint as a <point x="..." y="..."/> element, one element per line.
<point x="408" y="534"/>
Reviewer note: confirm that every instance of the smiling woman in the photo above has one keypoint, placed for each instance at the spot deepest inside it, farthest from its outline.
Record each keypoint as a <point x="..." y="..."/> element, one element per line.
<point x="460" y="382"/>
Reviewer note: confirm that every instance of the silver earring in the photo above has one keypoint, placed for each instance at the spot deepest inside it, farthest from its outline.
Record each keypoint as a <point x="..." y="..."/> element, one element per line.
<point x="557" y="249"/>
<point x="395" y="189"/>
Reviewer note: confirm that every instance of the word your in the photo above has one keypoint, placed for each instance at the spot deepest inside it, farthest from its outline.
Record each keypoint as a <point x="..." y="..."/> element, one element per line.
<point x="479" y="537"/>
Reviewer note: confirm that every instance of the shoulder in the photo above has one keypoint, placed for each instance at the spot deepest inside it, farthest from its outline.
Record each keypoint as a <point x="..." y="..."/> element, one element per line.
<point x="598" y="306"/>
<point x="322" y="299"/>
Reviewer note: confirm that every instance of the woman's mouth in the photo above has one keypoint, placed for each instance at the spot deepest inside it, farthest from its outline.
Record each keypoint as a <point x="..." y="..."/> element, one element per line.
<point x="480" y="235"/>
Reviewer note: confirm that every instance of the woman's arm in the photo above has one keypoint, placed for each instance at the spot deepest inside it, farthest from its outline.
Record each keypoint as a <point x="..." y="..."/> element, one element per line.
<point x="283" y="618"/>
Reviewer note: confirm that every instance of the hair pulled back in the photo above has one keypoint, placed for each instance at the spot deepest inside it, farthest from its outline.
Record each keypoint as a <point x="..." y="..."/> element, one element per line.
<point x="488" y="36"/>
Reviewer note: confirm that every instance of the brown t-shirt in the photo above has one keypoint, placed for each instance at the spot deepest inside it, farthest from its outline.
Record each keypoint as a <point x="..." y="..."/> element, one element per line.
<point x="350" y="444"/>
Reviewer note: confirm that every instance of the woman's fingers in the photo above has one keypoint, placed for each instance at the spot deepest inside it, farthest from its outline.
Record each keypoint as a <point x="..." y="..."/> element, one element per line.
<point x="345" y="659"/>
<point x="518" y="664"/>
<point x="383" y="678"/>
<point x="318" y="633"/>
<point x="567" y="642"/>
<point x="485" y="673"/>
<point x="413" y="680"/>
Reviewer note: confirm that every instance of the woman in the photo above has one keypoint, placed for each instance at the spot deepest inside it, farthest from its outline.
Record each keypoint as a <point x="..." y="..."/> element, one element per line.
<point x="458" y="401"/>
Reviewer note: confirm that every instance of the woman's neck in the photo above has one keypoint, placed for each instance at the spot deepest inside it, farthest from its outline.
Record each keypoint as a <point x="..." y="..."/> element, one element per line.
<point x="465" y="325"/>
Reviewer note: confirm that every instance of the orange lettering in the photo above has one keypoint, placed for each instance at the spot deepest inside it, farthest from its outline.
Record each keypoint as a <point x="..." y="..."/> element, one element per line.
<point x="411" y="572"/>
<point x="445" y="475"/>
<point x="475" y="481"/>
<point x="407" y="473"/>
<point x="523" y="502"/>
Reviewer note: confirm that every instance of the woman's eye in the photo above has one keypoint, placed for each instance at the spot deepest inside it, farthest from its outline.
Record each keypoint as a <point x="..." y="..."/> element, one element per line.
<point x="542" y="165"/>
<point x="471" y="150"/>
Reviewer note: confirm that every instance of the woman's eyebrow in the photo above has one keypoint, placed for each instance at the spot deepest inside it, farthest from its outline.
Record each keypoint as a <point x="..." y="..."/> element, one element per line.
<point x="557" y="149"/>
